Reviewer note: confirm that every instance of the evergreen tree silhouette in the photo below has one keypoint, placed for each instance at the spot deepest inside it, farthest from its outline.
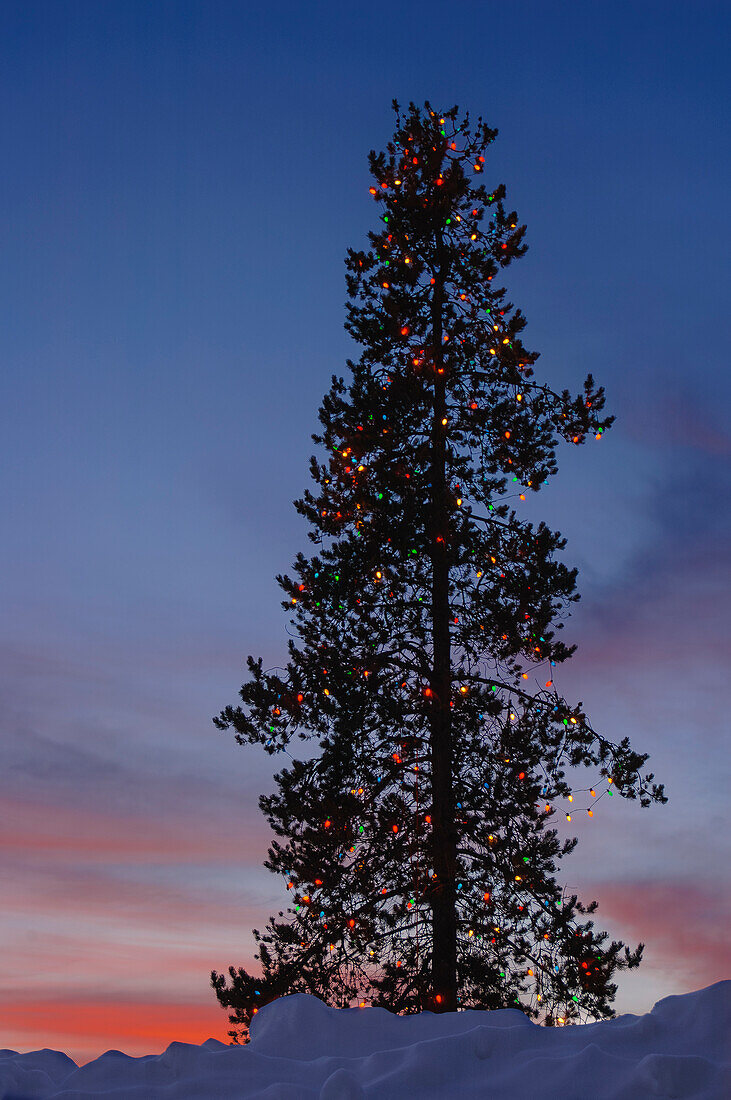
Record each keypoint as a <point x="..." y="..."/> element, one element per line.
<point x="419" y="844"/>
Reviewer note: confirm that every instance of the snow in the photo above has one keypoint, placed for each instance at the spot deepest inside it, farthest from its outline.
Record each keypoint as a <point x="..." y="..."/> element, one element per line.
<point x="303" y="1050"/>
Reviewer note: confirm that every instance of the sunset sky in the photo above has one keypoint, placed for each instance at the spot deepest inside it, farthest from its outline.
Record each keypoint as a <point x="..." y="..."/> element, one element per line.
<point x="180" y="183"/>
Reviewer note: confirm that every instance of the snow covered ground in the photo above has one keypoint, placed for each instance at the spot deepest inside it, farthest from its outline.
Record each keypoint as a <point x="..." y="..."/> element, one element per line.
<point x="301" y="1049"/>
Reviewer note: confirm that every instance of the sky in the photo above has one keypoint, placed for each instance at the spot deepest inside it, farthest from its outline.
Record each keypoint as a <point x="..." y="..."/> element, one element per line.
<point x="181" y="182"/>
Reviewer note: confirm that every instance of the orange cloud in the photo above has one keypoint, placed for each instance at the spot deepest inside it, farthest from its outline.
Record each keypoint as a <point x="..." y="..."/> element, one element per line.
<point x="100" y="901"/>
<point x="85" y="1028"/>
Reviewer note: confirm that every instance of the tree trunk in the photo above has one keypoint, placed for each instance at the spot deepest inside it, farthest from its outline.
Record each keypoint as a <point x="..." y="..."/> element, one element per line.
<point x="443" y="892"/>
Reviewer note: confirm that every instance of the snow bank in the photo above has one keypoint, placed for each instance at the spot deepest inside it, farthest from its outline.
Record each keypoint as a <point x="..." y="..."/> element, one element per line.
<point x="303" y="1050"/>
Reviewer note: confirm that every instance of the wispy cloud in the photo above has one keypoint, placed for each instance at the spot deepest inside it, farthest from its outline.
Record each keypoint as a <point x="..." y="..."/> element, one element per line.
<point x="678" y="418"/>
<point x="84" y="834"/>
<point x="86" y="1026"/>
<point x="684" y="924"/>
<point x="671" y="601"/>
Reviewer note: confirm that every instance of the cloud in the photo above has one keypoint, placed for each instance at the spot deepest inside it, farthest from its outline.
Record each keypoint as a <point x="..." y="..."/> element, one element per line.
<point x="131" y="843"/>
<point x="683" y="923"/>
<point x="85" y="1027"/>
<point x="84" y="834"/>
<point x="149" y="943"/>
<point x="676" y="418"/>
<point x="76" y="734"/>
<point x="671" y="601"/>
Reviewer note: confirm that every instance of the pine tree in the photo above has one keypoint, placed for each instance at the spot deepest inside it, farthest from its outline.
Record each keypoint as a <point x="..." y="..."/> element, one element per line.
<point x="419" y="843"/>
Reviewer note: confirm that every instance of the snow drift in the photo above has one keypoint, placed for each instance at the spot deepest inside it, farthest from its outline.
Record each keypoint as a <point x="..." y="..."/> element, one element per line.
<point x="301" y="1049"/>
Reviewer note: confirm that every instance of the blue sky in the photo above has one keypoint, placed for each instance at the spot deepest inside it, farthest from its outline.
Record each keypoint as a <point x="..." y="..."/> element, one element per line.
<point x="181" y="183"/>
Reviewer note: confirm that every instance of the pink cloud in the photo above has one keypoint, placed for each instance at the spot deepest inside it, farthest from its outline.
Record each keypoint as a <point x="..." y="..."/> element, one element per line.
<point x="683" y="924"/>
<point x="677" y="419"/>
<point x="95" y="900"/>
<point x="85" y="834"/>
